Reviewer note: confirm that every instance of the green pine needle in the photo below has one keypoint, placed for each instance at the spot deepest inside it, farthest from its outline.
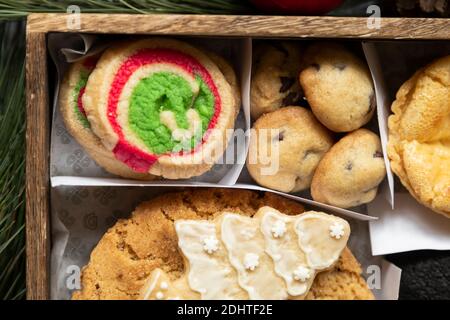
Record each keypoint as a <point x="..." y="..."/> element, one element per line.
<point x="20" y="8"/>
<point x="12" y="155"/>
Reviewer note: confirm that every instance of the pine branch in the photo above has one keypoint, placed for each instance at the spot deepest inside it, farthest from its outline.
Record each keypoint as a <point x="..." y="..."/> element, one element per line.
<point x="20" y="8"/>
<point x="12" y="153"/>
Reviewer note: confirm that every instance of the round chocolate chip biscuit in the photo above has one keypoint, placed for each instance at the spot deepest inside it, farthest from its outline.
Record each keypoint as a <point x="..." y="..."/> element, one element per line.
<point x="285" y="148"/>
<point x="275" y="77"/>
<point x="338" y="87"/>
<point x="350" y="172"/>
<point x="126" y="255"/>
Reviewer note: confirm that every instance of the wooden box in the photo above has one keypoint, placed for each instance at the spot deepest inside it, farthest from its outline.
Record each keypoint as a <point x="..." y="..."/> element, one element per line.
<point x="39" y="97"/>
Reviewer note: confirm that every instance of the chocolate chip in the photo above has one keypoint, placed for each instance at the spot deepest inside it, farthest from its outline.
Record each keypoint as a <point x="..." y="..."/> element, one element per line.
<point x="378" y="154"/>
<point x="316" y="66"/>
<point x="290" y="99"/>
<point x="286" y="83"/>
<point x="349" y="166"/>
<point x="341" y="66"/>
<point x="372" y="103"/>
<point x="279" y="136"/>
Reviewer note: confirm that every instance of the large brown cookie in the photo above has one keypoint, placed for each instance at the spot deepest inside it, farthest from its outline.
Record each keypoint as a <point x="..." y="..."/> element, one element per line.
<point x="130" y="250"/>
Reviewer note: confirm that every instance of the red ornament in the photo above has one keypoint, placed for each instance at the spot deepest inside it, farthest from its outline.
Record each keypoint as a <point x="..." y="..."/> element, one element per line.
<point x="297" y="6"/>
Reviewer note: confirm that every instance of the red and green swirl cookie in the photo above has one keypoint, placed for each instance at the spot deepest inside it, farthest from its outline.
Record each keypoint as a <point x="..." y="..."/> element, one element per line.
<point x="160" y="106"/>
<point x="70" y="102"/>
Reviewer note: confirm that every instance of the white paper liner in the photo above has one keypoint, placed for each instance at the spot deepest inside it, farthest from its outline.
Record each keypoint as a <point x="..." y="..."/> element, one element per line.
<point x="405" y="225"/>
<point x="81" y="215"/>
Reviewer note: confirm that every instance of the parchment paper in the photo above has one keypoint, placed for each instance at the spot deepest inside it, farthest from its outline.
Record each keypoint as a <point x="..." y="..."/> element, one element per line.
<point x="405" y="225"/>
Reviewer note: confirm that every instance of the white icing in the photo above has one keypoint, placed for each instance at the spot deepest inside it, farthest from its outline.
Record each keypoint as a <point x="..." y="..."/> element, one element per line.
<point x="322" y="251"/>
<point x="336" y="230"/>
<point x="261" y="283"/>
<point x="239" y="257"/>
<point x="248" y="233"/>
<point x="278" y="229"/>
<point x="164" y="285"/>
<point x="251" y="261"/>
<point x="211" y="275"/>
<point x="159" y="295"/>
<point x="284" y="251"/>
<point x="302" y="273"/>
<point x="210" y="244"/>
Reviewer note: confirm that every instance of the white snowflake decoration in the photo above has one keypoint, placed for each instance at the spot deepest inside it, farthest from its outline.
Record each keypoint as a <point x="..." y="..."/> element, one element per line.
<point x="302" y="273"/>
<point x="279" y="228"/>
<point x="251" y="261"/>
<point x="159" y="295"/>
<point x="336" y="230"/>
<point x="164" y="285"/>
<point x="210" y="244"/>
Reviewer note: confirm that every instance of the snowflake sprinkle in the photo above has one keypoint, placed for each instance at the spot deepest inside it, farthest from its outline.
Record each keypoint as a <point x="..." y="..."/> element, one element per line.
<point x="210" y="244"/>
<point x="302" y="274"/>
<point x="278" y="229"/>
<point x="336" y="230"/>
<point x="251" y="261"/>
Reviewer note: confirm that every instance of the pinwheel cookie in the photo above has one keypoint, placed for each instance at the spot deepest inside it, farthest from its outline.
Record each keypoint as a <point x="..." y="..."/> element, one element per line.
<point x="70" y="102"/>
<point x="150" y="255"/>
<point x="161" y="106"/>
<point x="419" y="135"/>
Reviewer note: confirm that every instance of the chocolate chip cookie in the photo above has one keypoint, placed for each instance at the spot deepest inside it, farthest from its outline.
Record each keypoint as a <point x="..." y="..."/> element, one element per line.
<point x="286" y="146"/>
<point x="338" y="87"/>
<point x="350" y="172"/>
<point x="275" y="77"/>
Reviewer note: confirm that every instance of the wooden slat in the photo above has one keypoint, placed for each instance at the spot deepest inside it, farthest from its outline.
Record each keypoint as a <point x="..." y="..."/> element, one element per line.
<point x="257" y="26"/>
<point x="37" y="168"/>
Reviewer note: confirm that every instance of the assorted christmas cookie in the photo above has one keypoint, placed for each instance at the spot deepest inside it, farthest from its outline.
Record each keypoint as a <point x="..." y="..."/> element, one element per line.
<point x="71" y="105"/>
<point x="419" y="135"/>
<point x="338" y="87"/>
<point x="275" y="77"/>
<point x="238" y="257"/>
<point x="350" y="172"/>
<point x="188" y="245"/>
<point x="286" y="146"/>
<point x="161" y="107"/>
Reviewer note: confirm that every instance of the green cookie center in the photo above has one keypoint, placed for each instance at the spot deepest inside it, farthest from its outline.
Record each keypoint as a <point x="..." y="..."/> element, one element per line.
<point x="166" y="91"/>
<point x="84" y="75"/>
